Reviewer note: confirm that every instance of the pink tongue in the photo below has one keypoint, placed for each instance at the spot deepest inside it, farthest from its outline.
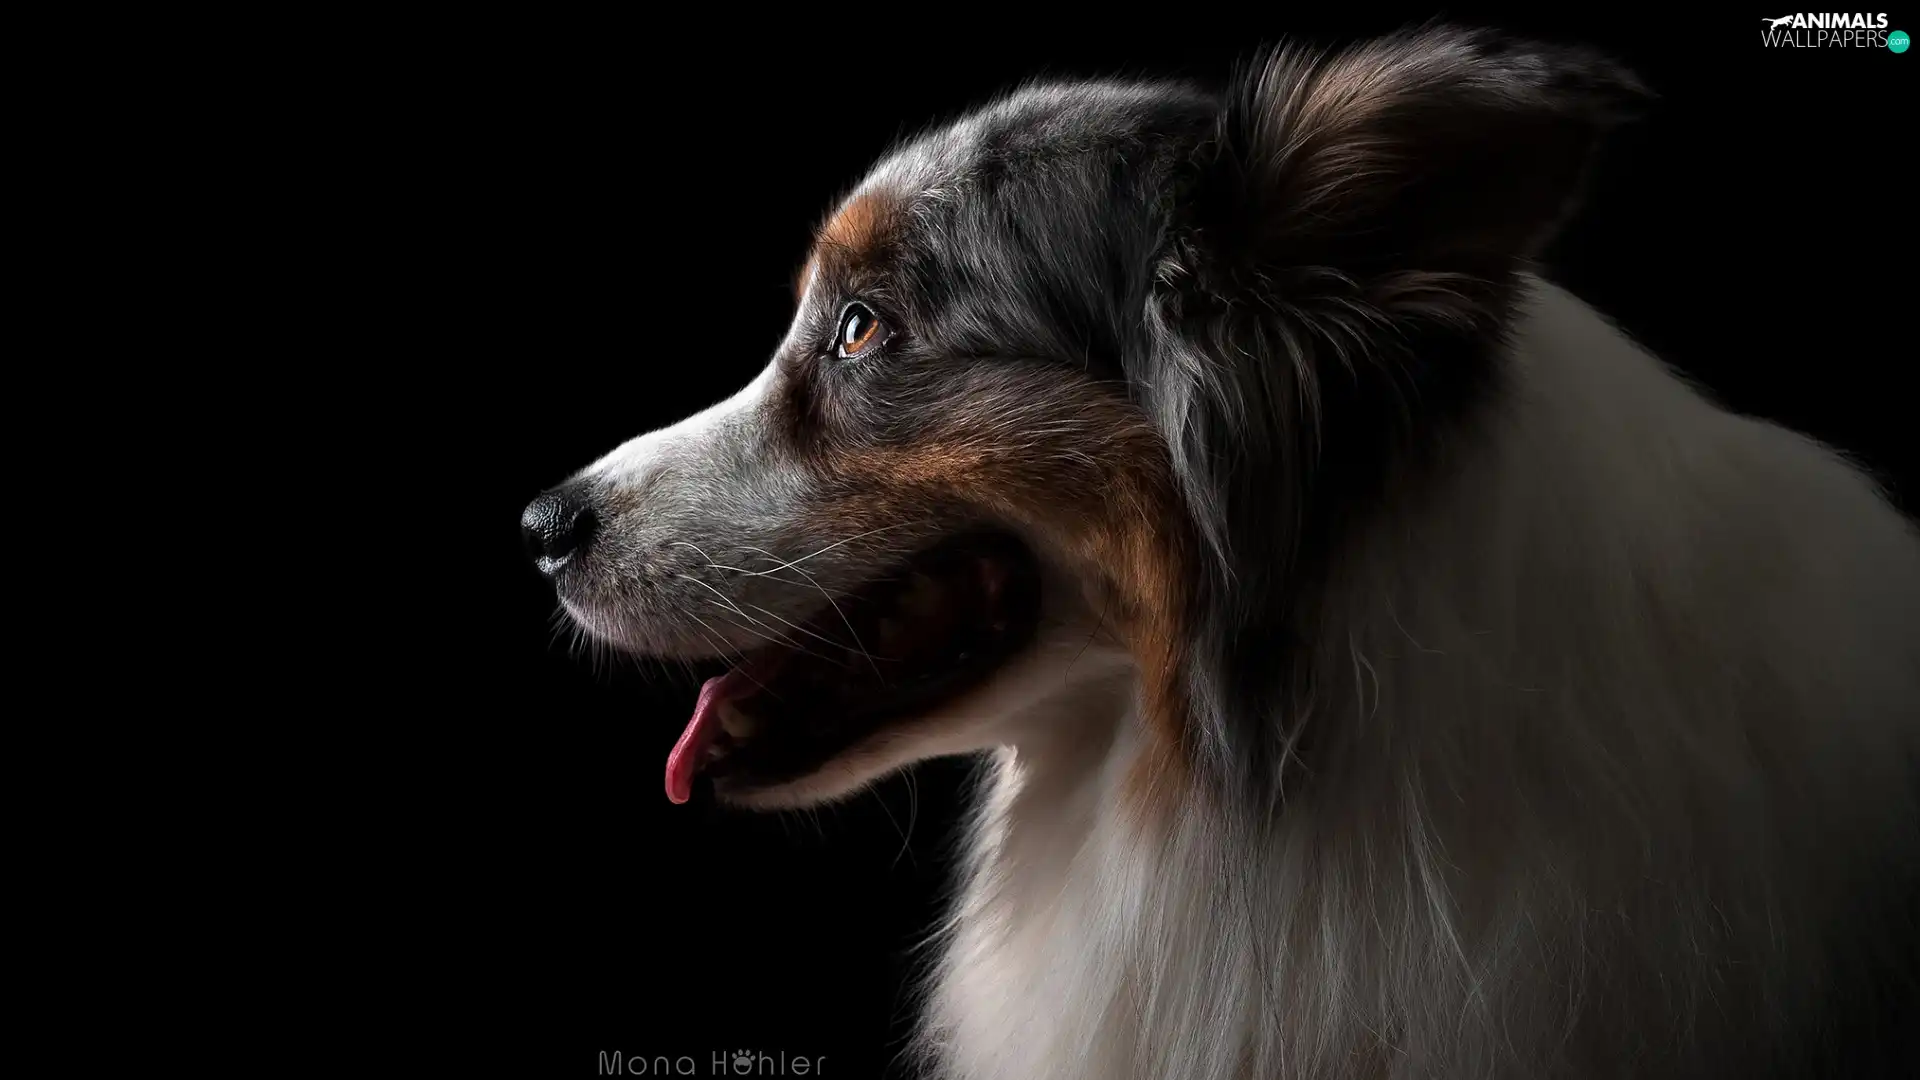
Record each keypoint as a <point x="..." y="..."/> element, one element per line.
<point x="691" y="750"/>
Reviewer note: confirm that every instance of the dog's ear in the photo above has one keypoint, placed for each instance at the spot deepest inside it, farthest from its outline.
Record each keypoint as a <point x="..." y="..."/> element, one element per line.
<point x="1434" y="153"/>
<point x="1350" y="205"/>
<point x="1343" y="255"/>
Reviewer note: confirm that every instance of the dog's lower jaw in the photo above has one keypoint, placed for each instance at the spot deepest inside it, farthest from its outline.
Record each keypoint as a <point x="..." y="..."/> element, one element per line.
<point x="1045" y="691"/>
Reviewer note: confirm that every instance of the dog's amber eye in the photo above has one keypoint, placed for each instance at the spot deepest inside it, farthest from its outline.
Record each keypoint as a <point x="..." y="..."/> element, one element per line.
<point x="861" y="331"/>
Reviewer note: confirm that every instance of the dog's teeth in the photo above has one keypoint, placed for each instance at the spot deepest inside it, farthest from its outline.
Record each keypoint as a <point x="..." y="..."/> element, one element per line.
<point x="734" y="722"/>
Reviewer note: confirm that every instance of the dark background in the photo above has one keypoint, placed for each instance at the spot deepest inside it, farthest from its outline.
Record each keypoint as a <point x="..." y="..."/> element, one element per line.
<point x="565" y="235"/>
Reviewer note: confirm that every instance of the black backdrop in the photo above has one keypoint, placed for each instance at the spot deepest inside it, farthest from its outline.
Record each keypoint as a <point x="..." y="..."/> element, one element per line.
<point x="568" y="235"/>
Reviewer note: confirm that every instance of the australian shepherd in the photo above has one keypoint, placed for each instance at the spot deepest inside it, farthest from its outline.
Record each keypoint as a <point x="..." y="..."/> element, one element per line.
<point x="1383" y="666"/>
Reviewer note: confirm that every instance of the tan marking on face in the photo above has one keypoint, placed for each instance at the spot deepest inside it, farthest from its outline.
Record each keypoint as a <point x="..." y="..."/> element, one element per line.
<point x="853" y="237"/>
<point x="1089" y="476"/>
<point x="860" y="224"/>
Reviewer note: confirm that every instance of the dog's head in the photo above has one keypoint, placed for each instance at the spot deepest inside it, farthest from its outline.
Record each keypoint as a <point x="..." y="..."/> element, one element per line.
<point x="1076" y="396"/>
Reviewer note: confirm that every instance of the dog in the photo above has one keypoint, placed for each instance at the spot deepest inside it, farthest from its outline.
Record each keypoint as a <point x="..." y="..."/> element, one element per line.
<point x="1381" y="665"/>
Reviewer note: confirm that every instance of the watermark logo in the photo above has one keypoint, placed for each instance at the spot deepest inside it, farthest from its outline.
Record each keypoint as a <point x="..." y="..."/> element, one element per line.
<point x="773" y="1063"/>
<point x="1830" y="29"/>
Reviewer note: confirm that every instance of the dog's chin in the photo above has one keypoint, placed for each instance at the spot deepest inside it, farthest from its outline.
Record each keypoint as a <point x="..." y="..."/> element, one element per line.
<point x="879" y="678"/>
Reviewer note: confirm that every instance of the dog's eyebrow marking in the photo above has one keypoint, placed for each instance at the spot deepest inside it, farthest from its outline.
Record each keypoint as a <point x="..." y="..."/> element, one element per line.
<point x="858" y="224"/>
<point x="849" y="237"/>
<point x="854" y="234"/>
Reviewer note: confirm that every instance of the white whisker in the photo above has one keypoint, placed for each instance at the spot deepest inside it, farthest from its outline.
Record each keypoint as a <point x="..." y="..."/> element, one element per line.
<point x="851" y="632"/>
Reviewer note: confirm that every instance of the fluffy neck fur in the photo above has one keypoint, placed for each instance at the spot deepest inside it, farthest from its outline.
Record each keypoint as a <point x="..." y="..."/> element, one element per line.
<point x="1609" y="738"/>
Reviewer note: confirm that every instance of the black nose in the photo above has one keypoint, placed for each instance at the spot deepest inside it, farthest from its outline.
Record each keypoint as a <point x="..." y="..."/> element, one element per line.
<point x="557" y="526"/>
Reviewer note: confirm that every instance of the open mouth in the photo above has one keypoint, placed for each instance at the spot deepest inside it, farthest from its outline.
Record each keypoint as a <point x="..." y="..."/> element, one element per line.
<point x="900" y="646"/>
